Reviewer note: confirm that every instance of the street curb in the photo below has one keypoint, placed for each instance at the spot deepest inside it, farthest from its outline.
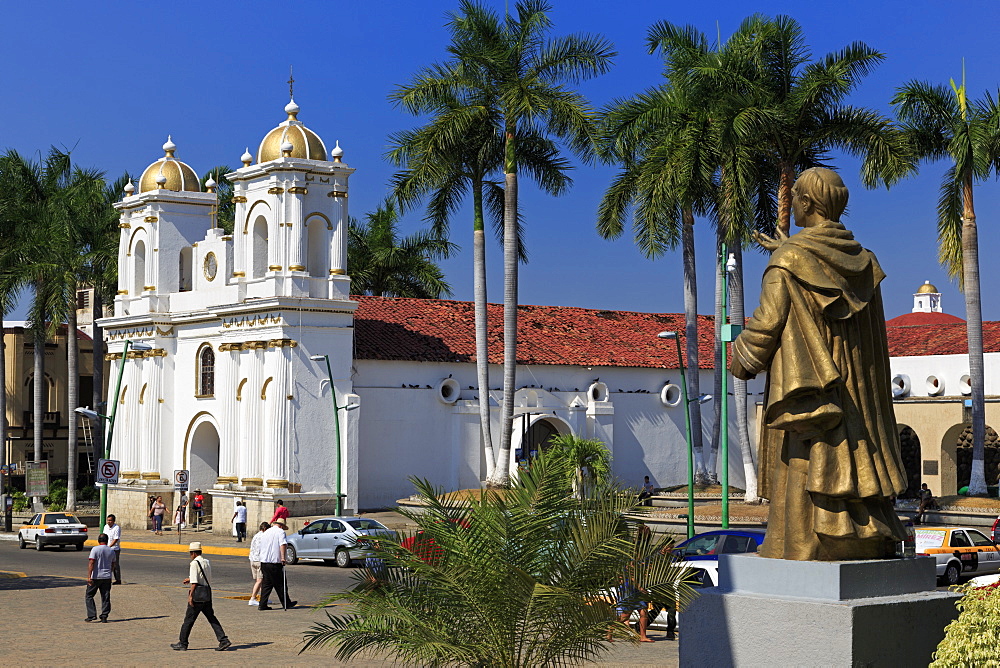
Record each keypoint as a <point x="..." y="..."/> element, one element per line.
<point x="11" y="575"/>
<point x="163" y="547"/>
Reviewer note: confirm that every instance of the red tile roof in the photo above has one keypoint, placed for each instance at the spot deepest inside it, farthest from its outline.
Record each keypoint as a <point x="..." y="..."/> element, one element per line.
<point x="433" y="330"/>
<point x="908" y="319"/>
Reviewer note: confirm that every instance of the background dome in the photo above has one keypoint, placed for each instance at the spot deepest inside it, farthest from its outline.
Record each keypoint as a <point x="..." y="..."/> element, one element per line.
<point x="179" y="176"/>
<point x="305" y="143"/>
<point x="927" y="288"/>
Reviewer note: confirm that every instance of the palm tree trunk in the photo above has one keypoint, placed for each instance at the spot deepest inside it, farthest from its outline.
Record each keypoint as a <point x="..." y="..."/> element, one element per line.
<point x="501" y="474"/>
<point x="73" y="400"/>
<point x="713" y="457"/>
<point x="785" y="182"/>
<point x="482" y="325"/>
<point x="737" y="315"/>
<point x="38" y="413"/>
<point x="97" y="400"/>
<point x="974" y="328"/>
<point x="3" y="396"/>
<point x="691" y="339"/>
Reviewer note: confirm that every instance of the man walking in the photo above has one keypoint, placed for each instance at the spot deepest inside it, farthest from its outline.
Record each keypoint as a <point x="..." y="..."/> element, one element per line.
<point x="240" y="519"/>
<point x="99" y="567"/>
<point x="200" y="575"/>
<point x="258" y="578"/>
<point x="114" y="532"/>
<point x="272" y="564"/>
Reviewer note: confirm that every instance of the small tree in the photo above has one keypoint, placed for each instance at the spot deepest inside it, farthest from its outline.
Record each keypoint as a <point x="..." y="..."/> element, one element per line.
<point x="973" y="638"/>
<point x="589" y="461"/>
<point x="517" y="577"/>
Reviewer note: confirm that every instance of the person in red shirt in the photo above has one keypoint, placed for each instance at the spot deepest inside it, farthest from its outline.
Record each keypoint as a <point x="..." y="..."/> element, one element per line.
<point x="280" y="513"/>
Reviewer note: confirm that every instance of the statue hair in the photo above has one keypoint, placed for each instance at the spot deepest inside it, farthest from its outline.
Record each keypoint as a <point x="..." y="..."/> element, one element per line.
<point x="826" y="189"/>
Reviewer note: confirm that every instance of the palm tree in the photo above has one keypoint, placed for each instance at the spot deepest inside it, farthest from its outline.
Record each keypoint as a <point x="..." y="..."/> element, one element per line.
<point x="590" y="461"/>
<point x="511" y="63"/>
<point x="515" y="577"/>
<point x="664" y="140"/>
<point x="225" y="211"/>
<point x="941" y="123"/>
<point x="381" y="263"/>
<point x="443" y="161"/>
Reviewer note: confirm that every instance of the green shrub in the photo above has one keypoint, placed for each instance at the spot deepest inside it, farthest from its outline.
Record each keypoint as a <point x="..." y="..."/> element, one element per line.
<point x="89" y="494"/>
<point x="973" y="638"/>
<point x="56" y="500"/>
<point x="20" y="502"/>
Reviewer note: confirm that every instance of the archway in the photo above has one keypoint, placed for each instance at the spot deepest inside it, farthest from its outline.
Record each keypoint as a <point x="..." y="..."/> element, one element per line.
<point x="259" y="248"/>
<point x="203" y="458"/>
<point x="139" y="267"/>
<point x="963" y="457"/>
<point x="534" y="432"/>
<point x="909" y="444"/>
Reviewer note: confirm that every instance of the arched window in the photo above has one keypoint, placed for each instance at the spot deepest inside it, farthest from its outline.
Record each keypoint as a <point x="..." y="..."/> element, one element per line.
<point x="206" y="371"/>
<point x="319" y="247"/>
<point x="259" y="248"/>
<point x="139" y="267"/>
<point x="186" y="269"/>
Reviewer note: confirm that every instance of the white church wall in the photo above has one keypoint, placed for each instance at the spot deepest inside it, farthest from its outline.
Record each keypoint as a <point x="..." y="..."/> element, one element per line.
<point x="948" y="369"/>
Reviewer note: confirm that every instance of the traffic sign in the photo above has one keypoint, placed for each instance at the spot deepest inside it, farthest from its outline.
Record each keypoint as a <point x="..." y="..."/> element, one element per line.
<point x="181" y="477"/>
<point x="107" y="471"/>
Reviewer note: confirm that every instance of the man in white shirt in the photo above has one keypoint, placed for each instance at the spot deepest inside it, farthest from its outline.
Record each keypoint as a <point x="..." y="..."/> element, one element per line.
<point x="240" y="520"/>
<point x="255" y="573"/>
<point x="272" y="563"/>
<point x="113" y="530"/>
<point x="199" y="573"/>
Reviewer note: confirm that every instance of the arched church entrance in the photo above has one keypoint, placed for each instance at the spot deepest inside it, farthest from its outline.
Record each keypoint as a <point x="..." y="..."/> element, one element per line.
<point x="203" y="460"/>
<point x="909" y="444"/>
<point x="536" y="431"/>
<point x="963" y="458"/>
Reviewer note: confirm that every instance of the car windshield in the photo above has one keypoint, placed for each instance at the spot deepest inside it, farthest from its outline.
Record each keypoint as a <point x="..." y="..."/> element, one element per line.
<point x="699" y="545"/>
<point x="929" y="538"/>
<point x="60" y="518"/>
<point x="363" y="525"/>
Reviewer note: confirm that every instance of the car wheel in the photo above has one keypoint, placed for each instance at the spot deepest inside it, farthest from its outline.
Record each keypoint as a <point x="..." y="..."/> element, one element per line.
<point x="951" y="575"/>
<point x="38" y="543"/>
<point x="290" y="556"/>
<point x="79" y="547"/>
<point x="343" y="558"/>
<point x="20" y="542"/>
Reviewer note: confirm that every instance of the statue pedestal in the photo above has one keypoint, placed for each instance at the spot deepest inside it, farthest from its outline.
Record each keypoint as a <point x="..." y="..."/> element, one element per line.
<point x="772" y="612"/>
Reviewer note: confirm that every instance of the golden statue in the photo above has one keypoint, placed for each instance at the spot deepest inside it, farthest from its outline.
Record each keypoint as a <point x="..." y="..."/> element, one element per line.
<point x="829" y="455"/>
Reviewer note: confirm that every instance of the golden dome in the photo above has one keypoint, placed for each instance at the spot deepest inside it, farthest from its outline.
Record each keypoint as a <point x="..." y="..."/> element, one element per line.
<point x="305" y="143"/>
<point x="169" y="173"/>
<point x="927" y="288"/>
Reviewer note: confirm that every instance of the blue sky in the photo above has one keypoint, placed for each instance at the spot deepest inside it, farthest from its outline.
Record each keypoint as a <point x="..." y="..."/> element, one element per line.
<point x="111" y="80"/>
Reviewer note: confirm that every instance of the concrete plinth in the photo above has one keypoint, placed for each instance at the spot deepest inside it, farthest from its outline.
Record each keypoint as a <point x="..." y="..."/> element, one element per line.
<point x="772" y="612"/>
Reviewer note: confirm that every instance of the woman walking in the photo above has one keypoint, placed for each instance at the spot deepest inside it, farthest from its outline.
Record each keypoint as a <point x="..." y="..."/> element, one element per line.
<point x="258" y="578"/>
<point x="156" y="511"/>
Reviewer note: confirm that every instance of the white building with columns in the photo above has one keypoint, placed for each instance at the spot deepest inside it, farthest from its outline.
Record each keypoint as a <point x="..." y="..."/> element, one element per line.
<point x="226" y="388"/>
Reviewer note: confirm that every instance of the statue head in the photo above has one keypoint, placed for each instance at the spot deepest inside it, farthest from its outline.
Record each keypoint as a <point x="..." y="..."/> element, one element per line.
<point x="818" y="194"/>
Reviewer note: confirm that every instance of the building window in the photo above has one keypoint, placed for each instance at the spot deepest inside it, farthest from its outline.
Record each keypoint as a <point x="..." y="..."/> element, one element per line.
<point x="206" y="372"/>
<point x="82" y="300"/>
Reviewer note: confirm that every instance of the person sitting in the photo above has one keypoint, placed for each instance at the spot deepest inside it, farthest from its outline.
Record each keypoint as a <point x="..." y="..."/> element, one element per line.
<point x="647" y="492"/>
<point x="926" y="503"/>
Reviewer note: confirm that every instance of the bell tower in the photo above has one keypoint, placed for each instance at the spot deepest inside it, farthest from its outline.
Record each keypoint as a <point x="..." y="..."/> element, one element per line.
<point x="927" y="299"/>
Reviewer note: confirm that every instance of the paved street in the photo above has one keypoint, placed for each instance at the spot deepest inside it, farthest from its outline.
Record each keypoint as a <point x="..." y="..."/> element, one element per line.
<point x="147" y="613"/>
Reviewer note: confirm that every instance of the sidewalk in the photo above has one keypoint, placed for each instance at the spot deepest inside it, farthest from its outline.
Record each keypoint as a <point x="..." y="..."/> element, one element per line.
<point x="146" y="619"/>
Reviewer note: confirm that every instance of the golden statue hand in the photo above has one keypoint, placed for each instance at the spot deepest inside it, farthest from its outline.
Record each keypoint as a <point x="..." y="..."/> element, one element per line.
<point x="771" y="243"/>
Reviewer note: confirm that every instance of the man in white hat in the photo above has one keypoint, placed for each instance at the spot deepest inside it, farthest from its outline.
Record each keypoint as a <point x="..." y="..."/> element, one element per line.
<point x="272" y="563"/>
<point x="200" y="575"/>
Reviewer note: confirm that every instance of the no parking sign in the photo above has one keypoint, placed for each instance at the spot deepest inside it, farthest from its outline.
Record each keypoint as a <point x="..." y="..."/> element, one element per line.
<point x="107" y="471"/>
<point x="181" y="477"/>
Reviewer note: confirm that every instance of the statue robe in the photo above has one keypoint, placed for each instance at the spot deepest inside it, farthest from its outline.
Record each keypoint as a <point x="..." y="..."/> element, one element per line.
<point x="829" y="456"/>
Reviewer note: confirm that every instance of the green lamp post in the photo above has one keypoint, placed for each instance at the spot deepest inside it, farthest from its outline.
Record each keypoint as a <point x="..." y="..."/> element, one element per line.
<point x="336" y="424"/>
<point x="727" y="333"/>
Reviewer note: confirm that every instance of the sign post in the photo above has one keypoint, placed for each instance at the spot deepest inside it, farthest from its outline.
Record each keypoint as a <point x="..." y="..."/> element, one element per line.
<point x="107" y="471"/>
<point x="181" y="478"/>
<point x="37" y="479"/>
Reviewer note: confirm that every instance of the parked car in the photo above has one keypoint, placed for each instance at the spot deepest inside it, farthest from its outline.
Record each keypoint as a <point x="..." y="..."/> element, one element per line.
<point x="958" y="550"/>
<point x="993" y="530"/>
<point x="334" y="540"/>
<point x="701" y="552"/>
<point x="52" y="529"/>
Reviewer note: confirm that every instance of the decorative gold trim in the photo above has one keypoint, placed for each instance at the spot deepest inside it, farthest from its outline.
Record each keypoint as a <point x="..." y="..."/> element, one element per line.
<point x="156" y="250"/>
<point x="210" y="275"/>
<point x="253" y="482"/>
<point x="204" y="396"/>
<point x="123" y="292"/>
<point x="289" y="397"/>
<point x="298" y="190"/>
<point x="274" y="267"/>
<point x="338" y="272"/>
<point x="263" y="389"/>
<point x="317" y="214"/>
<point x="148" y="288"/>
<point x="151" y="475"/>
<point x="150" y="219"/>
<point x="275" y="190"/>
<point x="324" y="179"/>
<point x="160" y="400"/>
<point x="187" y="436"/>
<point x="121" y="401"/>
<point x="124" y="226"/>
<point x="136" y="354"/>
<point x="129" y="475"/>
<point x="142" y="393"/>
<point x="227" y="237"/>
<point x="239" y="274"/>
<point x="165" y="332"/>
<point x="310" y="177"/>
<point x="194" y="245"/>
<point x="226" y="480"/>
<point x="239" y="389"/>
<point x="229" y="347"/>
<point x="239" y="199"/>
<point x="246" y="223"/>
<point x="155" y="352"/>
<point x="254" y="345"/>
<point x="110" y="357"/>
<point x="337" y="193"/>
<point x="296" y="267"/>
<point x="281" y="343"/>
<point x="277" y="484"/>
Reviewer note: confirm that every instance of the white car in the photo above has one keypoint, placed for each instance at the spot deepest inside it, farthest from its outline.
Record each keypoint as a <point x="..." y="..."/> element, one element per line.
<point x="52" y="529"/>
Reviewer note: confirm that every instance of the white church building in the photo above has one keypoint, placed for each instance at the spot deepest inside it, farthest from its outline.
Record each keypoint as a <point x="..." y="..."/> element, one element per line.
<point x="224" y="377"/>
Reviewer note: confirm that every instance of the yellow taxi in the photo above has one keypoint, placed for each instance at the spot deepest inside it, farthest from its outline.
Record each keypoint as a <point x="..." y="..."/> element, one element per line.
<point x="52" y="529"/>
<point x="958" y="551"/>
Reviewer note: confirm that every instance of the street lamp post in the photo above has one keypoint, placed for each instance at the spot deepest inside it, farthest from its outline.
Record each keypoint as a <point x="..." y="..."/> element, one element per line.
<point x="728" y="334"/>
<point x="93" y="415"/>
<point x="702" y="398"/>
<point x="336" y="422"/>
